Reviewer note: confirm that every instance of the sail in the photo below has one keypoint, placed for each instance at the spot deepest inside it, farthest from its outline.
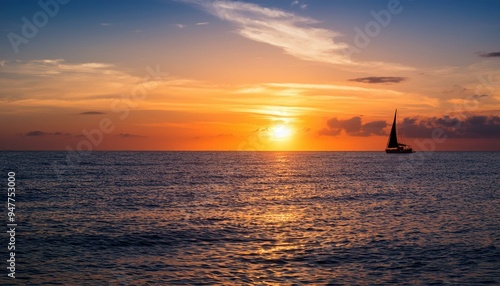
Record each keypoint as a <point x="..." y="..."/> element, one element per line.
<point x="393" y="139"/>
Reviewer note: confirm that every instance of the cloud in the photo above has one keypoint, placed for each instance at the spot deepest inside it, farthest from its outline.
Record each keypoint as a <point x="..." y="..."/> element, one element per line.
<point x="128" y="135"/>
<point x="353" y="127"/>
<point x="463" y="126"/>
<point x="38" y="133"/>
<point x="460" y="126"/>
<point x="55" y="79"/>
<point x="52" y="67"/>
<point x="302" y="6"/>
<point x="201" y="23"/>
<point x="298" y="88"/>
<point x="295" y="35"/>
<point x="490" y="55"/>
<point x="180" y="26"/>
<point x="379" y="79"/>
<point x="92" y="113"/>
<point x="292" y="33"/>
<point x="374" y="128"/>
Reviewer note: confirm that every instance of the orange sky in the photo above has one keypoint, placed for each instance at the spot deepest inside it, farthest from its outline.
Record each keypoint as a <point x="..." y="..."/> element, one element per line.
<point x="229" y="81"/>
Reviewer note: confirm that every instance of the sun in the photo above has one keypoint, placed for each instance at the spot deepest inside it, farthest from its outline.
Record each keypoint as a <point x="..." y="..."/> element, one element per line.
<point x="281" y="132"/>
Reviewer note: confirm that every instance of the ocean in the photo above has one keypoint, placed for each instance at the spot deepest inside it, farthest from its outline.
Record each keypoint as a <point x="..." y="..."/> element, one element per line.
<point x="253" y="218"/>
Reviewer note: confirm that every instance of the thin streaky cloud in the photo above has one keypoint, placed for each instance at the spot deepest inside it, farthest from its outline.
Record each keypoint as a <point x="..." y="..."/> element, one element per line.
<point x="38" y="133"/>
<point x="328" y="87"/>
<point x="129" y="135"/>
<point x="292" y="33"/>
<point x="92" y="113"/>
<point x="490" y="55"/>
<point x="54" y="67"/>
<point x="301" y="5"/>
<point x="201" y="23"/>
<point x="379" y="79"/>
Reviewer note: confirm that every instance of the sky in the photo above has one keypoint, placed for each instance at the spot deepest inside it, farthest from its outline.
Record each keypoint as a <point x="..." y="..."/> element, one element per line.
<point x="249" y="75"/>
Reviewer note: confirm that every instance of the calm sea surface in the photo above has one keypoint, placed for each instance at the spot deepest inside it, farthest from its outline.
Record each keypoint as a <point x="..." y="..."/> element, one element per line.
<point x="255" y="218"/>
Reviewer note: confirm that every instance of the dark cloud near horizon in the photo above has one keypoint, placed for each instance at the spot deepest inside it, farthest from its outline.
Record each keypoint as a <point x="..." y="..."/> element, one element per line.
<point x="92" y="113"/>
<point x="475" y="126"/>
<point x="464" y="126"/>
<point x="379" y="79"/>
<point x="129" y="135"/>
<point x="353" y="127"/>
<point x="490" y="55"/>
<point x="37" y="133"/>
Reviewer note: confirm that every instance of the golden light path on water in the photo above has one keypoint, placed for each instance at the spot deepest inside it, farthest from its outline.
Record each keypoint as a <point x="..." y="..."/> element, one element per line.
<point x="265" y="218"/>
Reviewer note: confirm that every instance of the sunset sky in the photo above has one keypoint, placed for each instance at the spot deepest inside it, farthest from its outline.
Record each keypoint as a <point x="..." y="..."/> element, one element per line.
<point x="249" y="75"/>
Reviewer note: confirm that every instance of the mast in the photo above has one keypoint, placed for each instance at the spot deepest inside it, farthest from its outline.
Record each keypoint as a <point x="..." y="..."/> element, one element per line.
<point x="393" y="138"/>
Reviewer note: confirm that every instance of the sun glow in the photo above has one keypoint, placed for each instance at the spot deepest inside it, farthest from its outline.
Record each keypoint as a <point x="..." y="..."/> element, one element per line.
<point x="281" y="132"/>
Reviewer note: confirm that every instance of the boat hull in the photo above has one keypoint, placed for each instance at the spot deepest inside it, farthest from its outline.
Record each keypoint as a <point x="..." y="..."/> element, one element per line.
<point x="399" y="150"/>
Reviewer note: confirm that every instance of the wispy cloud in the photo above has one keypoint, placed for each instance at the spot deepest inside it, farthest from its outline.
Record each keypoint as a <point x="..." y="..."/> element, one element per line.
<point x="180" y="26"/>
<point x="302" y="88"/>
<point x="48" y="67"/>
<point x="301" y="5"/>
<point x="49" y="79"/>
<point x="379" y="79"/>
<point x="295" y="34"/>
<point x="202" y="23"/>
<point x="92" y="113"/>
<point x="129" y="135"/>
<point x="38" y="133"/>
<point x="353" y="127"/>
<point x="490" y="55"/>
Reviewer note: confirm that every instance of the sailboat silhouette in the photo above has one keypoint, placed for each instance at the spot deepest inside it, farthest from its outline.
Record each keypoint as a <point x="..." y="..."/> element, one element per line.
<point x="393" y="146"/>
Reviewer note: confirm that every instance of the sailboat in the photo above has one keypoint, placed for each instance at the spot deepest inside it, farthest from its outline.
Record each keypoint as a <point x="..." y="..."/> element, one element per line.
<point x="393" y="146"/>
